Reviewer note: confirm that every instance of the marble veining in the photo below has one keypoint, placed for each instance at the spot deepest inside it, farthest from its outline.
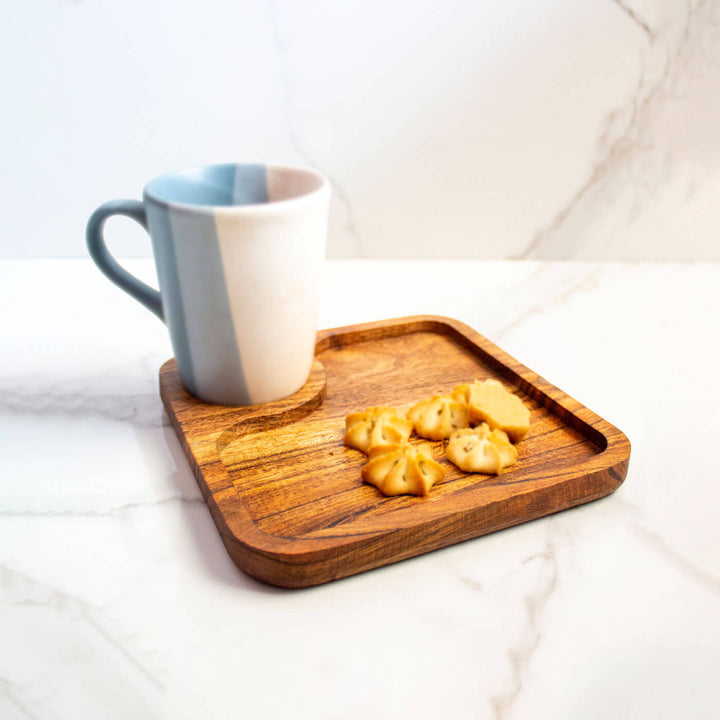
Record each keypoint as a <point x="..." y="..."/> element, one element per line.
<point x="690" y="569"/>
<point x="639" y="164"/>
<point x="118" y="599"/>
<point x="535" y="600"/>
<point x="628" y="10"/>
<point x="282" y="45"/>
<point x="558" y="293"/>
<point x="23" y="591"/>
<point x="13" y="693"/>
<point x="114" y="511"/>
<point x="143" y="410"/>
<point x="467" y="130"/>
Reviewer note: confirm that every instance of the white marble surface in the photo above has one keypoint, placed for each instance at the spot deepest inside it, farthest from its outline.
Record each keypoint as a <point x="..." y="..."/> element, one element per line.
<point x="495" y="129"/>
<point x="118" y="600"/>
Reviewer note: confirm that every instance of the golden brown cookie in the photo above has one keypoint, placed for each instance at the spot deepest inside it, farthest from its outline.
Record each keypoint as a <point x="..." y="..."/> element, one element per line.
<point x="439" y="416"/>
<point x="402" y="469"/>
<point x="376" y="426"/>
<point x="481" y="450"/>
<point x="491" y="402"/>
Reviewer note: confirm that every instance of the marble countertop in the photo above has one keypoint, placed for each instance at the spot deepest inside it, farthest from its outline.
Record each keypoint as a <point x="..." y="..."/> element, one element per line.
<point x="119" y="600"/>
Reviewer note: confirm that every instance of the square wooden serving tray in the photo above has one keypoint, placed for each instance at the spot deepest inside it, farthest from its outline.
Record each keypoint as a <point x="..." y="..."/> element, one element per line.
<point x="286" y="494"/>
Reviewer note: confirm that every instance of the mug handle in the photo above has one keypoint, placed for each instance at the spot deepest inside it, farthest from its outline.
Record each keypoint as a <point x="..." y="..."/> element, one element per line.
<point x="110" y="267"/>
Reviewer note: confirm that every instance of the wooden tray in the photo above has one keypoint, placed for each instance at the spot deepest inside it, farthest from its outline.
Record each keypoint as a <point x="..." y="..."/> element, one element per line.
<point x="286" y="494"/>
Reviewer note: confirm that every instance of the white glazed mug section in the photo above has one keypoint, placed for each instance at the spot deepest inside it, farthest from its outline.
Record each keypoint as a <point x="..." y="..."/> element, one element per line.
<point x="273" y="259"/>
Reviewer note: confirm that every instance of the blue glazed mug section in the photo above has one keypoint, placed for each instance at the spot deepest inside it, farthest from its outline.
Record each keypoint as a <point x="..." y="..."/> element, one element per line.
<point x="212" y="185"/>
<point x="97" y="248"/>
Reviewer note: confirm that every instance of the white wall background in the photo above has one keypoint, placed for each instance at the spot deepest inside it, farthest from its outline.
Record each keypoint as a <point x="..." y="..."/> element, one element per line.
<point x="496" y="129"/>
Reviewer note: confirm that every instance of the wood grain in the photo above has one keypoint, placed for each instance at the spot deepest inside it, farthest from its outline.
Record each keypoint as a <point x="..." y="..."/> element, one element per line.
<point x="286" y="494"/>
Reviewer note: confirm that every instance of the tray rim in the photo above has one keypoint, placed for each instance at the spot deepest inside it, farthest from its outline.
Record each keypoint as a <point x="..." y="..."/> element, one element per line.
<point x="251" y="547"/>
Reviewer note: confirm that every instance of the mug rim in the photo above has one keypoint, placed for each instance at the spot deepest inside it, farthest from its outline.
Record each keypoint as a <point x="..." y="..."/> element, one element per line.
<point x="265" y="207"/>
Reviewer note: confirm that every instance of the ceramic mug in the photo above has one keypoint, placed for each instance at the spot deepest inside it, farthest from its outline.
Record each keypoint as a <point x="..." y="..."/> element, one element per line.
<point x="239" y="250"/>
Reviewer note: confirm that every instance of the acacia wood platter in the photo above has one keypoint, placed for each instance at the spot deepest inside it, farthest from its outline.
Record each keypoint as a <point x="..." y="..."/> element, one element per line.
<point x="286" y="494"/>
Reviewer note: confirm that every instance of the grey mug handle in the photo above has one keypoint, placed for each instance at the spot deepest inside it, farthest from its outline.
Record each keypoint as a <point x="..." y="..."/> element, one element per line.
<point x="110" y="267"/>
